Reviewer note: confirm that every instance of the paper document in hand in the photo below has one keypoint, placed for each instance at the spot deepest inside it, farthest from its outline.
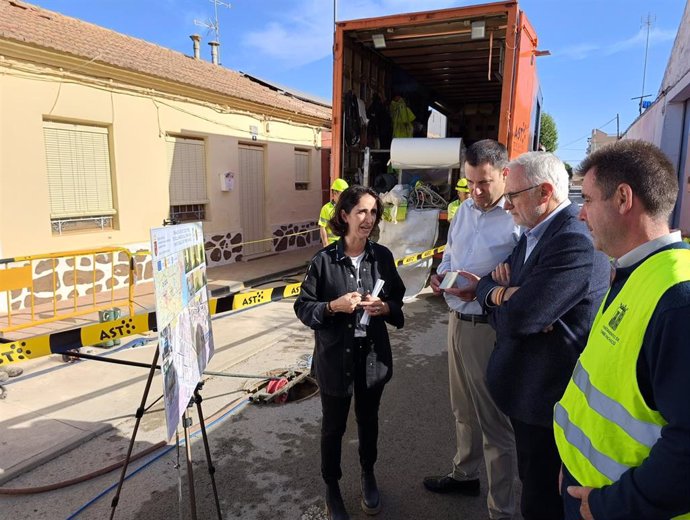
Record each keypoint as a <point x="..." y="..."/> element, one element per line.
<point x="455" y="280"/>
<point x="448" y="280"/>
<point x="377" y="289"/>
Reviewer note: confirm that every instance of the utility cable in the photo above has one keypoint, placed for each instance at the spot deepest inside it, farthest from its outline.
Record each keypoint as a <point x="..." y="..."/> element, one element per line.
<point x="240" y="404"/>
<point x="82" y="478"/>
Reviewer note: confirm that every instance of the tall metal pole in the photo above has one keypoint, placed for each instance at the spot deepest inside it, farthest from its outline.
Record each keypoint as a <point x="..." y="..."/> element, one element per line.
<point x="217" y="27"/>
<point x="648" y="23"/>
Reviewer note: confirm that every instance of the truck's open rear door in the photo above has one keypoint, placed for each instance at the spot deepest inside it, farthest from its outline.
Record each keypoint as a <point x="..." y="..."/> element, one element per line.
<point x="525" y="108"/>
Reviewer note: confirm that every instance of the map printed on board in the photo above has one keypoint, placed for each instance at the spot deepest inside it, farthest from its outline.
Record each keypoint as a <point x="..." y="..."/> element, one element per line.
<point x="185" y="339"/>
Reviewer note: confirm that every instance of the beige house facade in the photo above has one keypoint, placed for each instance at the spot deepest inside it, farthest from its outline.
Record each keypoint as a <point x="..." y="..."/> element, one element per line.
<point x="103" y="137"/>
<point x="599" y="139"/>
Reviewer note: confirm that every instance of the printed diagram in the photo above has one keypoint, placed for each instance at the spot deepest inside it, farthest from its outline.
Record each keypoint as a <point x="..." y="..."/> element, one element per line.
<point x="182" y="314"/>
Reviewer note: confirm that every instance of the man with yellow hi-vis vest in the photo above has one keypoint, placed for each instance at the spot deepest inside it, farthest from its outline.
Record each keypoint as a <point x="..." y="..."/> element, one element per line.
<point x="463" y="191"/>
<point x="327" y="237"/>
<point x="623" y="425"/>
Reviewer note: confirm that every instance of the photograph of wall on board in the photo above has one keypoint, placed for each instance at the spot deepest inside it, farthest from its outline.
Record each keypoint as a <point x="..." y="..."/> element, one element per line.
<point x="182" y="314"/>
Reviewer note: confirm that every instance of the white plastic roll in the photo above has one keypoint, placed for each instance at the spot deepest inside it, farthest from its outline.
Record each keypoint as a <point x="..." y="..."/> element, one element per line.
<point x="422" y="153"/>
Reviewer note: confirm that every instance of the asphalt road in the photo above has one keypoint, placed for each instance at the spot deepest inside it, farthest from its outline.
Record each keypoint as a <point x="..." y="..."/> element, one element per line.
<point x="267" y="456"/>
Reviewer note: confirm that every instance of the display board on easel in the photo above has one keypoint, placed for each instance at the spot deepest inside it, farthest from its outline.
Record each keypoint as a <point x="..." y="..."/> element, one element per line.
<point x="182" y="313"/>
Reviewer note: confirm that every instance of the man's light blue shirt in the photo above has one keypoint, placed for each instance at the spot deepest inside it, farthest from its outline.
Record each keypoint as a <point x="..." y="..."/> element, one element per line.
<point x="477" y="241"/>
<point x="533" y="235"/>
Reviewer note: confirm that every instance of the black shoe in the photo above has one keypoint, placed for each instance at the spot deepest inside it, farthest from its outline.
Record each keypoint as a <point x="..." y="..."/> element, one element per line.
<point x="447" y="484"/>
<point x="371" y="499"/>
<point x="335" y="507"/>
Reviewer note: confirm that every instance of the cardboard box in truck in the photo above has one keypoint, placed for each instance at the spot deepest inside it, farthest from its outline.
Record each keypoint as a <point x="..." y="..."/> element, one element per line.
<point x="475" y="65"/>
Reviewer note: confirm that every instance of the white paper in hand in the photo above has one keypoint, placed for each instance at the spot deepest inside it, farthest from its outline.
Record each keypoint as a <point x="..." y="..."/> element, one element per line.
<point x="448" y="280"/>
<point x="377" y="289"/>
<point x="455" y="280"/>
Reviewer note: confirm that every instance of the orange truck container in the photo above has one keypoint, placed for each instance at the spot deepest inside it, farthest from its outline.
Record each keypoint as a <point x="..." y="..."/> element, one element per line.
<point x="476" y="65"/>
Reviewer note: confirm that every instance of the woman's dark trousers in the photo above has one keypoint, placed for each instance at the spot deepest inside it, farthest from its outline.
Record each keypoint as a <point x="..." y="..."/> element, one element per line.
<point x="334" y="422"/>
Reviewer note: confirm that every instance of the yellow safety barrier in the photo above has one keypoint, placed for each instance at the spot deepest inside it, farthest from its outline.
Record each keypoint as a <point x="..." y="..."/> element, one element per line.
<point x="64" y="276"/>
<point x="418" y="257"/>
<point x="60" y="342"/>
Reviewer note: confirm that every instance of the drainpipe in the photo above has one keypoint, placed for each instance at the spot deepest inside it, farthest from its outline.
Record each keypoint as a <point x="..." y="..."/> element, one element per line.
<point x="196" y="39"/>
<point x="214" y="52"/>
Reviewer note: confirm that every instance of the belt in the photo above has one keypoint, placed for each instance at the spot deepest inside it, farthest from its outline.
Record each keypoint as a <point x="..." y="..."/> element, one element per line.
<point x="474" y="318"/>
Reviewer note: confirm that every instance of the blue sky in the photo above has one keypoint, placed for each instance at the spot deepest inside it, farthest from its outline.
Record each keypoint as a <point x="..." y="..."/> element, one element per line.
<point x="595" y="67"/>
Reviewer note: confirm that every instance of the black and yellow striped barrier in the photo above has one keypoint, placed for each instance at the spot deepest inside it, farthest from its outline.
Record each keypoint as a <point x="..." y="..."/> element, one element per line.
<point x="418" y="257"/>
<point x="59" y="342"/>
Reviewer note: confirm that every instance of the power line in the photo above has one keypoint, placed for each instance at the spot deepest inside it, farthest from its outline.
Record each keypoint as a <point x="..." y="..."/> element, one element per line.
<point x="588" y="135"/>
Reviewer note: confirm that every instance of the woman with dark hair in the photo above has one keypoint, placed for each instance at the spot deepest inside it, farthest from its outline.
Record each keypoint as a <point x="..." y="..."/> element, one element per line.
<point x="352" y="354"/>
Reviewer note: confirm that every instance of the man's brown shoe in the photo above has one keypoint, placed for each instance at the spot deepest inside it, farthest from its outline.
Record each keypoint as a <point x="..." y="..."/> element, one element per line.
<point x="447" y="484"/>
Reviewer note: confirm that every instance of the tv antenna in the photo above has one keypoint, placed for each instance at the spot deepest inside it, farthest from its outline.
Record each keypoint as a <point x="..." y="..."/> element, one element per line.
<point x="212" y="24"/>
<point x="648" y="23"/>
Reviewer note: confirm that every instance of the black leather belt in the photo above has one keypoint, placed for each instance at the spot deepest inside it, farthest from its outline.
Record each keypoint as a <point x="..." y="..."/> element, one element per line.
<point x="474" y="318"/>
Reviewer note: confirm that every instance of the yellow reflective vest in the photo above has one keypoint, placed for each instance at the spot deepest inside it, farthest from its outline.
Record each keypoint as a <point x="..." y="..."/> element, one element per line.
<point x="327" y="212"/>
<point x="602" y="424"/>
<point x="453" y="208"/>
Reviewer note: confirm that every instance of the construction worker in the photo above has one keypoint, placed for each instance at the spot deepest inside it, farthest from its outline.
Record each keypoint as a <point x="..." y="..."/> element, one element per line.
<point x="623" y="425"/>
<point x="327" y="236"/>
<point x="463" y="195"/>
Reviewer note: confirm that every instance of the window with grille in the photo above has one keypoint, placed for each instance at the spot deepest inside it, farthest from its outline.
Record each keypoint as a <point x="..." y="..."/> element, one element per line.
<point x="301" y="169"/>
<point x="80" y="184"/>
<point x="187" y="166"/>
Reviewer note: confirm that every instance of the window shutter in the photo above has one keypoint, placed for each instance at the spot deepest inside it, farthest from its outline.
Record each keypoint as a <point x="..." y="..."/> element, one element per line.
<point x="301" y="166"/>
<point x="78" y="163"/>
<point x="187" y="166"/>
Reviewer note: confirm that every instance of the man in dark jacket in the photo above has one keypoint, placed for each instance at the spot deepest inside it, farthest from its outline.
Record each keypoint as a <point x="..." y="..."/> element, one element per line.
<point x="541" y="302"/>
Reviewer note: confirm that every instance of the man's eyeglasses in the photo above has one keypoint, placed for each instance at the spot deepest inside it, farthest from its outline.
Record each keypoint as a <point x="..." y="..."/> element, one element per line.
<point x="511" y="195"/>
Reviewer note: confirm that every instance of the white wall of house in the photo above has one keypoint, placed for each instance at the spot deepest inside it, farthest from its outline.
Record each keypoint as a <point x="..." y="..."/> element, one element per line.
<point x="138" y="122"/>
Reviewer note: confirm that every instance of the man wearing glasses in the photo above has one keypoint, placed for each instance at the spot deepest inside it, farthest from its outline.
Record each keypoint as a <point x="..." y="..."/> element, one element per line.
<point x="480" y="236"/>
<point x="541" y="302"/>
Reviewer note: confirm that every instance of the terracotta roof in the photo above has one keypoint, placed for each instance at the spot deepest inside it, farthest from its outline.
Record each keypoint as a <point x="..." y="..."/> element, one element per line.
<point x="39" y="27"/>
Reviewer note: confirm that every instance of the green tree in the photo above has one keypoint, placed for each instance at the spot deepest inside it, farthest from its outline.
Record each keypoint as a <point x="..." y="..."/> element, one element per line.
<point x="548" y="134"/>
<point x="569" y="169"/>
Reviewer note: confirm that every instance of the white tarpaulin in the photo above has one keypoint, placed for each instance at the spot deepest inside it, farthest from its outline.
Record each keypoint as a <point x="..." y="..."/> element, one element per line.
<point x="420" y="153"/>
<point x="417" y="233"/>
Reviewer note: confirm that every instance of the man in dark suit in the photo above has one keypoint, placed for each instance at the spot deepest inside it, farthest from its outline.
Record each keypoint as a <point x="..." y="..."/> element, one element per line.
<point x="541" y="302"/>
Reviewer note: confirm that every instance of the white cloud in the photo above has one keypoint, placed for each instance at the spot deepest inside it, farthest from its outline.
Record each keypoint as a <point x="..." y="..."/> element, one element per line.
<point x="578" y="52"/>
<point x="304" y="33"/>
<point x="584" y="50"/>
<point x="655" y="36"/>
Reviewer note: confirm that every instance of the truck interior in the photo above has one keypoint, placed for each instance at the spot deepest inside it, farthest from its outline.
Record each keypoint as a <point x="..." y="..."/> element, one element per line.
<point x="454" y="65"/>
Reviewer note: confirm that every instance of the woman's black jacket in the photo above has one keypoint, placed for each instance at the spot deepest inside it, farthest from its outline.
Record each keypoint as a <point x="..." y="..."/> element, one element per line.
<point x="329" y="276"/>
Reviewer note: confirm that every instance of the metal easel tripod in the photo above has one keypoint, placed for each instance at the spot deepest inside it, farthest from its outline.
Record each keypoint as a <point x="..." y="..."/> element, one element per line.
<point x="186" y="422"/>
<point x="209" y="462"/>
<point x="139" y="414"/>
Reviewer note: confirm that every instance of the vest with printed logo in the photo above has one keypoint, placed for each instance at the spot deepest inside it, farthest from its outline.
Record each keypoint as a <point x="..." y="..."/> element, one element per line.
<point x="602" y="424"/>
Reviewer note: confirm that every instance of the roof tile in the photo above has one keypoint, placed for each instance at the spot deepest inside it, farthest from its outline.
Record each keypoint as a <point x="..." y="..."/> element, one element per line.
<point x="27" y="23"/>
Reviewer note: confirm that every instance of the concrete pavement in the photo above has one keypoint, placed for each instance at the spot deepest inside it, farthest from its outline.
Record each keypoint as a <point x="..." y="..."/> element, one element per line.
<point x="266" y="457"/>
<point x="63" y="406"/>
